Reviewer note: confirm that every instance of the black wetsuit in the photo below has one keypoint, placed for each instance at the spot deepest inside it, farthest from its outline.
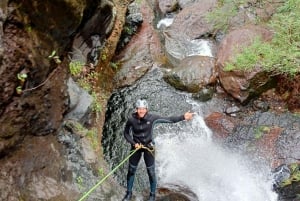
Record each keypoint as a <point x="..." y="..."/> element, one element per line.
<point x="139" y="130"/>
<point x="142" y="128"/>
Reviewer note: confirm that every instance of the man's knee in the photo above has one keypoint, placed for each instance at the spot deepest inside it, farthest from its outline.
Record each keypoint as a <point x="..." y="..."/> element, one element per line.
<point x="151" y="173"/>
<point x="131" y="170"/>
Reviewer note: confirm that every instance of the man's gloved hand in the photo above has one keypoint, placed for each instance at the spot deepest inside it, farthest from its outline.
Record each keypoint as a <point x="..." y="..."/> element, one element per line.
<point x="138" y="146"/>
<point x="189" y="115"/>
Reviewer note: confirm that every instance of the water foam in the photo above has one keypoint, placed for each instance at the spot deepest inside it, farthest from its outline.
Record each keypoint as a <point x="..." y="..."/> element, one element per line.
<point x="191" y="159"/>
<point x="166" y="22"/>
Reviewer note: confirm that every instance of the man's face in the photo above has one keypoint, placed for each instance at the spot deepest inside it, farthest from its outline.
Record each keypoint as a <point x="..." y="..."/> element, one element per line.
<point x="141" y="111"/>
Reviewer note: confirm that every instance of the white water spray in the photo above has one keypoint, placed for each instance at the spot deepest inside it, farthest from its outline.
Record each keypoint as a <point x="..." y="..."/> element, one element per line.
<point x="166" y="22"/>
<point x="200" y="47"/>
<point x="191" y="159"/>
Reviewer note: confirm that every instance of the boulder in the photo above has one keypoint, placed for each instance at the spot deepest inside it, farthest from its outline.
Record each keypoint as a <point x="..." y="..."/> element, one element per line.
<point x="221" y="124"/>
<point x="242" y="85"/>
<point x="192" y="74"/>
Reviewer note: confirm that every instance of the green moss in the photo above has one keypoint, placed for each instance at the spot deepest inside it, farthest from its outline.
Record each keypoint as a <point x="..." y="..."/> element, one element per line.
<point x="75" y="67"/>
<point x="295" y="175"/>
<point x="93" y="137"/>
<point x="260" y="131"/>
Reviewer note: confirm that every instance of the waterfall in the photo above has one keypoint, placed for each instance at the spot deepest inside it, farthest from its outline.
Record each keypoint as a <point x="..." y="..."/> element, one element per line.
<point x="166" y="22"/>
<point x="200" y="47"/>
<point x="191" y="159"/>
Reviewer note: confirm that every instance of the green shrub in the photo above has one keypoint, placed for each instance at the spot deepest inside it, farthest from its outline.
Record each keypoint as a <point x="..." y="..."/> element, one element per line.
<point x="282" y="54"/>
<point x="221" y="16"/>
<point x="75" y="67"/>
<point x="295" y="175"/>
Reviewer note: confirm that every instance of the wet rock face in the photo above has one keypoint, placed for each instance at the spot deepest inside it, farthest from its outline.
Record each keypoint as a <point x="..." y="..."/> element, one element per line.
<point x="141" y="52"/>
<point x="221" y="125"/>
<point x="30" y="33"/>
<point x="91" y="38"/>
<point x="36" y="165"/>
<point x="191" y="22"/>
<point x="273" y="136"/>
<point x="55" y="20"/>
<point x="167" y="6"/>
<point x="192" y="74"/>
<point x="290" y="90"/>
<point x="287" y="184"/>
<point x="33" y="112"/>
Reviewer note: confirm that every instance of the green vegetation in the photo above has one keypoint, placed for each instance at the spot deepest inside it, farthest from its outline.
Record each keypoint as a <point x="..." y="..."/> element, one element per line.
<point x="76" y="67"/>
<point x="54" y="57"/>
<point x="90" y="134"/>
<point x="22" y="78"/>
<point x="221" y="16"/>
<point x="101" y="172"/>
<point x="114" y="66"/>
<point x="128" y="30"/>
<point x="86" y="80"/>
<point x="295" y="175"/>
<point x="282" y="54"/>
<point x="28" y="28"/>
<point x="79" y="181"/>
<point x="103" y="57"/>
<point x="96" y="106"/>
<point x="260" y="131"/>
<point x="19" y="90"/>
<point x="93" y="137"/>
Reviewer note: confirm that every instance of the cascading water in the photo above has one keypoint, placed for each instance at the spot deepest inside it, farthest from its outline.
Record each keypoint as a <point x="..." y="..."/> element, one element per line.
<point x="188" y="157"/>
<point x="191" y="159"/>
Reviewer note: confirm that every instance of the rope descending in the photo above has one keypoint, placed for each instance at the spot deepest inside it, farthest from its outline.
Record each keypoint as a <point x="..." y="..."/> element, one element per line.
<point x="86" y="194"/>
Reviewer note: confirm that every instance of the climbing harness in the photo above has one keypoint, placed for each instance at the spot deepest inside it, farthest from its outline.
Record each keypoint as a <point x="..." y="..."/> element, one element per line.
<point x="85" y="195"/>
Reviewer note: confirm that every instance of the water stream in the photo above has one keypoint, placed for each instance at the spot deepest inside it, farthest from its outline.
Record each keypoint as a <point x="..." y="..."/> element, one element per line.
<point x="191" y="159"/>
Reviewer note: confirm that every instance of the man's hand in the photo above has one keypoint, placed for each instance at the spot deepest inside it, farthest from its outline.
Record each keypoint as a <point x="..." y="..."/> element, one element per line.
<point x="188" y="115"/>
<point x="138" y="146"/>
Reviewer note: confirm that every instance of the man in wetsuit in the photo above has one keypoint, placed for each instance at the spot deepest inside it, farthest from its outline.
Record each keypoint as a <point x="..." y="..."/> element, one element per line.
<point x="138" y="132"/>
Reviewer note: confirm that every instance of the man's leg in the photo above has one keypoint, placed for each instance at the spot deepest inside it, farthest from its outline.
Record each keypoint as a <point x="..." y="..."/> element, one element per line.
<point x="130" y="176"/>
<point x="133" y="163"/>
<point x="153" y="182"/>
<point x="150" y="163"/>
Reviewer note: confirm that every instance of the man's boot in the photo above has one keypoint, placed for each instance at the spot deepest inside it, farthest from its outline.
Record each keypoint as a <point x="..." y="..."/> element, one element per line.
<point x="152" y="197"/>
<point x="128" y="196"/>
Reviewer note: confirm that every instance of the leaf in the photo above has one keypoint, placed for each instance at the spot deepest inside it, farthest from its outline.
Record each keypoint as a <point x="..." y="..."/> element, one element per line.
<point x="19" y="90"/>
<point x="52" y="54"/>
<point x="22" y="76"/>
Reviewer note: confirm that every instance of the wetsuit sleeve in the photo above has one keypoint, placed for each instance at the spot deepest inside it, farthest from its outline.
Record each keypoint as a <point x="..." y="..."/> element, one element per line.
<point x="127" y="134"/>
<point x="171" y="119"/>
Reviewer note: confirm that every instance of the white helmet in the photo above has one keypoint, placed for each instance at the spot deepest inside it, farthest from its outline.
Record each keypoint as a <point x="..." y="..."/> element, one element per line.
<point x="141" y="103"/>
